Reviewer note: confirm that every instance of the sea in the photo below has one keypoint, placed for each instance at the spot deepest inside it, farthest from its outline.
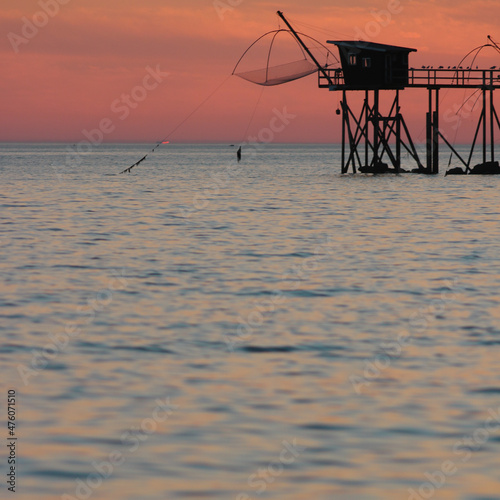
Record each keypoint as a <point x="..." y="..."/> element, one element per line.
<point x="200" y="328"/>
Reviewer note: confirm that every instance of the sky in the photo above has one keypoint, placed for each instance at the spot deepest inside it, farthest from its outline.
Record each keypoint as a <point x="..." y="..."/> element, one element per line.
<point x="134" y="71"/>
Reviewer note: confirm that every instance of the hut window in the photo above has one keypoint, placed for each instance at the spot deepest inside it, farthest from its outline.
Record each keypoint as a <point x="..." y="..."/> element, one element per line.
<point x="367" y="62"/>
<point x="353" y="59"/>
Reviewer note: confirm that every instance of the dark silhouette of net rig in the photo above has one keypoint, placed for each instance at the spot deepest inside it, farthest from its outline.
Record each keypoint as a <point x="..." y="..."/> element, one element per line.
<point x="372" y="141"/>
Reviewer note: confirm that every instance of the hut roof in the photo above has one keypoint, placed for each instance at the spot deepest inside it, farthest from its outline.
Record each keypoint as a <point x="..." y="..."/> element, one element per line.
<point x="379" y="47"/>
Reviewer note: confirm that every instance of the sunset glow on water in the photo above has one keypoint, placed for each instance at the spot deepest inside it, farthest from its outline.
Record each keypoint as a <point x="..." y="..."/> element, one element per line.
<point x="285" y="333"/>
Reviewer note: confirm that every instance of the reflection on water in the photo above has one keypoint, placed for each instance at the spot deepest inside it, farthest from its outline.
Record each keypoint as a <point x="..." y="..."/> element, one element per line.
<point x="276" y="332"/>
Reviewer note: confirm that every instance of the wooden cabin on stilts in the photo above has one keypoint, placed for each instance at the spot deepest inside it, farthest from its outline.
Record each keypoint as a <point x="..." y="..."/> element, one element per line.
<point x="373" y="139"/>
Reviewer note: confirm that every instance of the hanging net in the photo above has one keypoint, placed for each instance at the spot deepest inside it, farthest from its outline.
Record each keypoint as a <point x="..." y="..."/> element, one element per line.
<point x="283" y="73"/>
<point x="268" y="53"/>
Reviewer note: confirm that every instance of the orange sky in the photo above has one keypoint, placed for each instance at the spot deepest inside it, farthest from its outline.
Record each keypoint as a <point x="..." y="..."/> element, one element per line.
<point x="71" y="73"/>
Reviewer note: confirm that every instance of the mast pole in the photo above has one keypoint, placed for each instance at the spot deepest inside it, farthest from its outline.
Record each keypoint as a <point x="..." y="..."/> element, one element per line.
<point x="304" y="46"/>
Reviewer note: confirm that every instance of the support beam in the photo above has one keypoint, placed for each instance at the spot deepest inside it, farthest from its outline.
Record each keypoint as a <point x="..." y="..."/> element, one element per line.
<point x="453" y="149"/>
<point x="413" y="152"/>
<point x="429" y="141"/>
<point x="375" y="160"/>
<point x="344" y="117"/>
<point x="485" y="126"/>
<point x="398" y="133"/>
<point x="367" y="121"/>
<point x="479" y="123"/>
<point x="492" y="127"/>
<point x="435" y="136"/>
<point x="429" y="133"/>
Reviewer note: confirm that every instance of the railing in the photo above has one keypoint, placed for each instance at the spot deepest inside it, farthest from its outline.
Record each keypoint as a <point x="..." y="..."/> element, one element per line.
<point x="336" y="77"/>
<point x="425" y="77"/>
<point x="454" y="77"/>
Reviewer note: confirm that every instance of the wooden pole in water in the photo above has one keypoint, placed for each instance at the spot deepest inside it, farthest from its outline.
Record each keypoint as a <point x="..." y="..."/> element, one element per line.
<point x="435" y="136"/>
<point x="344" y="118"/>
<point x="429" y="133"/>
<point x="398" y="134"/>
<point x="485" y="126"/>
<point x="492" y="124"/>
<point x="367" y="118"/>
<point x="375" y="127"/>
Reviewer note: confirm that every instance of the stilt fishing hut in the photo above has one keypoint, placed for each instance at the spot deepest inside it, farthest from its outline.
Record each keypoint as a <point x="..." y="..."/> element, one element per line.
<point x="372" y="67"/>
<point x="372" y="141"/>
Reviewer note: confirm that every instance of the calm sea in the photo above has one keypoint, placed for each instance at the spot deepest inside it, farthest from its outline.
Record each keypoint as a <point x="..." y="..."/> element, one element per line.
<point x="274" y="330"/>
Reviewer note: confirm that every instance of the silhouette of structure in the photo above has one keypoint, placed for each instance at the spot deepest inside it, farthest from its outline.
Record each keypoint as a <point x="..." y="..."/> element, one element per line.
<point x="372" y="141"/>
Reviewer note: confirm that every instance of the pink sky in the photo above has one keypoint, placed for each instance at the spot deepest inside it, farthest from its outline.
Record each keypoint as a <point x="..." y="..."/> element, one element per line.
<point x="71" y="74"/>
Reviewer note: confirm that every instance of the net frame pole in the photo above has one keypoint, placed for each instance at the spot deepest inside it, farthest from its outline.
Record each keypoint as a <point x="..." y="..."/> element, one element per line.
<point x="294" y="33"/>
